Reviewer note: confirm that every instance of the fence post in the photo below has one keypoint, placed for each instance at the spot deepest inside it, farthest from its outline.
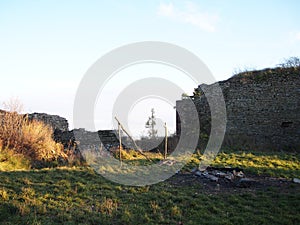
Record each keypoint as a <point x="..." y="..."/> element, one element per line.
<point x="120" y="143"/>
<point x="166" y="141"/>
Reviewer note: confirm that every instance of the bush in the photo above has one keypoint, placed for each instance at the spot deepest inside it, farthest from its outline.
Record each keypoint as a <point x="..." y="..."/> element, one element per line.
<point x="37" y="142"/>
<point x="30" y="138"/>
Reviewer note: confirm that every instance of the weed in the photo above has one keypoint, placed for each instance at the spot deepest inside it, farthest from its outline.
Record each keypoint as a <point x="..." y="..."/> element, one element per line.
<point x="4" y="195"/>
<point x="154" y="206"/>
<point x="107" y="206"/>
<point x="175" y="211"/>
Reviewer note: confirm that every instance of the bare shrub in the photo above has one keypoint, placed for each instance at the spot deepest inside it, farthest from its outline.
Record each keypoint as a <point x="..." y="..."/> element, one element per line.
<point x="11" y="127"/>
<point x="292" y="62"/>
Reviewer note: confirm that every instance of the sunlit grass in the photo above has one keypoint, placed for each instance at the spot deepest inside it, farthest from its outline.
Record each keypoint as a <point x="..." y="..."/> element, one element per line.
<point x="259" y="163"/>
<point x="271" y="164"/>
<point x="276" y="164"/>
<point x="9" y="161"/>
<point x="78" y="195"/>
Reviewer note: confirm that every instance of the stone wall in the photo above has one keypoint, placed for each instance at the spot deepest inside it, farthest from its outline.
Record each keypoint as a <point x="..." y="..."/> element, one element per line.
<point x="263" y="113"/>
<point x="263" y="109"/>
<point x="56" y="122"/>
<point x="86" y="139"/>
<point x="62" y="134"/>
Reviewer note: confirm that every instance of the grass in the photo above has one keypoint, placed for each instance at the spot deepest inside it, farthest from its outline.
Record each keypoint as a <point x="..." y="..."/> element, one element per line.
<point x="276" y="164"/>
<point x="77" y="195"/>
<point x="9" y="160"/>
<point x="268" y="164"/>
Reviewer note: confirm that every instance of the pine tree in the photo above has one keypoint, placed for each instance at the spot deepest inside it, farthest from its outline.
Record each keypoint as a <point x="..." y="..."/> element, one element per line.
<point x="150" y="125"/>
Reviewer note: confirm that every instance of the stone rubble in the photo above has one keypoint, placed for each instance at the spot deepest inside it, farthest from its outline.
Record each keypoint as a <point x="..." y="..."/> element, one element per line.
<point x="296" y="180"/>
<point x="235" y="175"/>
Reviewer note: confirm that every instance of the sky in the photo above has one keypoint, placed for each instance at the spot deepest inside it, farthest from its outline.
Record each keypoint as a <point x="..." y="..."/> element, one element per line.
<point x="46" y="47"/>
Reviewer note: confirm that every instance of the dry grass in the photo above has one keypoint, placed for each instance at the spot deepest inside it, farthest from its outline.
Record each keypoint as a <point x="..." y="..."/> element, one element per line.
<point x="30" y="138"/>
<point x="37" y="142"/>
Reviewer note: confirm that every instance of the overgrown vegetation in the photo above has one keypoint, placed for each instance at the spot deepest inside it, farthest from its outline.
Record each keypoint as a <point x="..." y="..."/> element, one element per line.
<point x="288" y="67"/>
<point x="26" y="139"/>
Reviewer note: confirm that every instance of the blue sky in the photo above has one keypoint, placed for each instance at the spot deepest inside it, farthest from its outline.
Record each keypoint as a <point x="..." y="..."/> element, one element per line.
<point x="47" y="46"/>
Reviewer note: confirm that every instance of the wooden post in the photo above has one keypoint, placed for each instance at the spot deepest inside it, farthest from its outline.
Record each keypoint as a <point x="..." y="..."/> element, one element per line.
<point x="166" y="141"/>
<point x="137" y="147"/>
<point x="120" y="143"/>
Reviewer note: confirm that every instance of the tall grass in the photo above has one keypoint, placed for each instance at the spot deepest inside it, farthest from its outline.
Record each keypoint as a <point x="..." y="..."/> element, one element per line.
<point x="29" y="138"/>
<point x="37" y="142"/>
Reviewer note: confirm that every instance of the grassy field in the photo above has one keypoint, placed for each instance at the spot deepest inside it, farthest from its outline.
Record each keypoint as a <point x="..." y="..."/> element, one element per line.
<point x="78" y="195"/>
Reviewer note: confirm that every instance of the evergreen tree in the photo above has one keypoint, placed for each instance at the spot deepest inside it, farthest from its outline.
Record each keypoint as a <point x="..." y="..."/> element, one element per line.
<point x="150" y="125"/>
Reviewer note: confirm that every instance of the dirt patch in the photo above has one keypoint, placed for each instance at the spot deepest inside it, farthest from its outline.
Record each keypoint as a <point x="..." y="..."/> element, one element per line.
<point x="253" y="183"/>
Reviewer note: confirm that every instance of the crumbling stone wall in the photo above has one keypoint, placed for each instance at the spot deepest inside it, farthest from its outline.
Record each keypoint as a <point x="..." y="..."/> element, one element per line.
<point x="86" y="139"/>
<point x="263" y="109"/>
<point x="62" y="134"/>
<point x="56" y="122"/>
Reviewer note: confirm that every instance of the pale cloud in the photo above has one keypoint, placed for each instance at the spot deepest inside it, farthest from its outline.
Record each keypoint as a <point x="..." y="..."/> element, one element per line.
<point x="189" y="14"/>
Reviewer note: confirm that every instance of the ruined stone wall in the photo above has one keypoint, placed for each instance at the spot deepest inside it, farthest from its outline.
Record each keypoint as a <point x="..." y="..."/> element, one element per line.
<point x="62" y="134"/>
<point x="56" y="122"/>
<point x="86" y="139"/>
<point x="263" y="109"/>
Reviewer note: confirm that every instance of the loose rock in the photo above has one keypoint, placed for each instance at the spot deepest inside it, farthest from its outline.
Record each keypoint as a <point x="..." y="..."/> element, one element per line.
<point x="296" y="180"/>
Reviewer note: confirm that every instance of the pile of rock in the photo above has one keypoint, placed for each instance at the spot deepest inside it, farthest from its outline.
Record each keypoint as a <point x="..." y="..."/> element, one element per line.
<point x="235" y="175"/>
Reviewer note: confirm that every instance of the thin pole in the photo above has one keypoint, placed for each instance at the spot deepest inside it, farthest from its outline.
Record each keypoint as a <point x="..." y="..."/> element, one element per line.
<point x="137" y="148"/>
<point x="166" y="141"/>
<point x="120" y="143"/>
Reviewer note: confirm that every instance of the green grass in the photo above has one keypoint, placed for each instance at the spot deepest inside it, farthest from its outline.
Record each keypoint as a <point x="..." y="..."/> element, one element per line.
<point x="269" y="164"/>
<point x="11" y="161"/>
<point x="77" y="195"/>
<point x="276" y="164"/>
